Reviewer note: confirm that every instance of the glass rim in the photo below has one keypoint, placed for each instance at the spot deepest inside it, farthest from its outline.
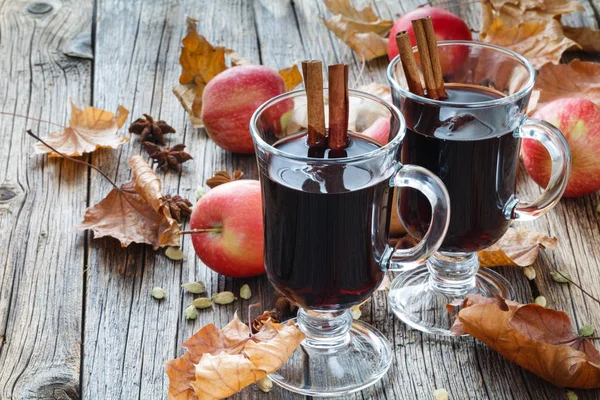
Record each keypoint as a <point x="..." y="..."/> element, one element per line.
<point x="489" y="103"/>
<point x="383" y="150"/>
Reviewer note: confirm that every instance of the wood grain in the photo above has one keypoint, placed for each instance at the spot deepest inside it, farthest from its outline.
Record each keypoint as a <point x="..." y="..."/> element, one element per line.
<point x="41" y="200"/>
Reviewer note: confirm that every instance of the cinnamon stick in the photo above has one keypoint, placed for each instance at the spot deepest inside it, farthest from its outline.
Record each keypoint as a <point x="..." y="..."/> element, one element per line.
<point x="435" y="57"/>
<point x="426" y="66"/>
<point x="409" y="65"/>
<point x="312" y="70"/>
<point x="338" y="106"/>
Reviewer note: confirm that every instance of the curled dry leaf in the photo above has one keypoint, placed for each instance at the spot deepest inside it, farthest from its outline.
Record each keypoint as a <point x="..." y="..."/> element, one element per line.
<point x="221" y="362"/>
<point x="536" y="338"/>
<point x="516" y="248"/>
<point x="512" y="13"/>
<point x="362" y="30"/>
<point x="88" y="130"/>
<point x="588" y="39"/>
<point x="222" y="177"/>
<point x="134" y="212"/>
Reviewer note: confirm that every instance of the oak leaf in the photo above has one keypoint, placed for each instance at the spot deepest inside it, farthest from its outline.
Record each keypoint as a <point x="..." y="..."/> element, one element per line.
<point x="516" y="248"/>
<point x="362" y="30"/>
<point x="88" y="130"/>
<point x="134" y="212"/>
<point x="221" y="362"/>
<point x="576" y="79"/>
<point x="538" y="339"/>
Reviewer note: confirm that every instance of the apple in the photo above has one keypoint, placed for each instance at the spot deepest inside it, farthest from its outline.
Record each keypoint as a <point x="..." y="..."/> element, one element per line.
<point x="231" y="215"/>
<point x="230" y="99"/>
<point x="379" y="130"/>
<point x="447" y="26"/>
<point x="579" y="121"/>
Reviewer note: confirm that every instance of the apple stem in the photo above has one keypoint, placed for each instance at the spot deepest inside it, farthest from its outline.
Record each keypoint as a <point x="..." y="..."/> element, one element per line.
<point x="205" y="230"/>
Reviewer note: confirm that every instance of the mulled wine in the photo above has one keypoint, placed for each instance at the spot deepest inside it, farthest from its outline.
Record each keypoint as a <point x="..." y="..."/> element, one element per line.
<point x="327" y="225"/>
<point x="475" y="154"/>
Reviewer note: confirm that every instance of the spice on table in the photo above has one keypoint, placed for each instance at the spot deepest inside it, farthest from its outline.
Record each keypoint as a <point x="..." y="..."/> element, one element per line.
<point x="222" y="177"/>
<point x="586" y="330"/>
<point x="174" y="253"/>
<point x="265" y="384"/>
<point x="245" y="292"/>
<point x="190" y="312"/>
<point x="224" y="298"/>
<point x="440" y="394"/>
<point x="169" y="157"/>
<point x="560" y="277"/>
<point x="529" y="272"/>
<point x="541" y="300"/>
<point x="202" y="302"/>
<point x="178" y="206"/>
<point x="194" y="287"/>
<point x="158" y="293"/>
<point x="151" y="130"/>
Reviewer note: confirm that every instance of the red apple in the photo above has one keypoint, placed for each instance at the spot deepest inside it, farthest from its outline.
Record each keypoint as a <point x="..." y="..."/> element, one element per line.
<point x="233" y="211"/>
<point x="379" y="130"/>
<point x="230" y="99"/>
<point x="447" y="26"/>
<point x="579" y="120"/>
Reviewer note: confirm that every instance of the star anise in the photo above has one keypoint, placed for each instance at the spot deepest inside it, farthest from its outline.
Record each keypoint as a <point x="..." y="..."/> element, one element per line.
<point x="178" y="206"/>
<point x="168" y="157"/>
<point x="150" y="129"/>
<point x="222" y="177"/>
<point x="259" y="321"/>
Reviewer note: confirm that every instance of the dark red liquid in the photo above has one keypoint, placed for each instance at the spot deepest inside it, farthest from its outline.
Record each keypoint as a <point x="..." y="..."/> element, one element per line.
<point x="476" y="157"/>
<point x="326" y="228"/>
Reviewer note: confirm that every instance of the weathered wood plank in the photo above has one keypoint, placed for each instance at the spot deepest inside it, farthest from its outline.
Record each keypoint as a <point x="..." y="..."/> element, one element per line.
<point x="41" y="200"/>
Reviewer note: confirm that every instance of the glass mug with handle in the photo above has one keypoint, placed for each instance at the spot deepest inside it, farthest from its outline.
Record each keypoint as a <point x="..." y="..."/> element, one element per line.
<point x="326" y="226"/>
<point x="471" y="141"/>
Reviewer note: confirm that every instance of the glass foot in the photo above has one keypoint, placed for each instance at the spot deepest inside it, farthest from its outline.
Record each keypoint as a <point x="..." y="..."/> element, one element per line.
<point x="356" y="363"/>
<point x="417" y="301"/>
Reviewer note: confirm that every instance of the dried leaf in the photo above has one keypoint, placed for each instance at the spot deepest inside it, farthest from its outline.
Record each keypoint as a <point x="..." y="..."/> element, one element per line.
<point x="236" y="59"/>
<point x="514" y="12"/>
<point x="588" y="39"/>
<point x="576" y="79"/>
<point x="536" y="338"/>
<point x="221" y="362"/>
<point x="222" y="177"/>
<point x="516" y="248"/>
<point x="134" y="212"/>
<point x="362" y="30"/>
<point x="88" y="130"/>
<point x="291" y="77"/>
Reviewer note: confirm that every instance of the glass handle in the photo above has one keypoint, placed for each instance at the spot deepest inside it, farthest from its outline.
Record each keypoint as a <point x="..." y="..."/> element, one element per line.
<point x="560" y="155"/>
<point x="432" y="187"/>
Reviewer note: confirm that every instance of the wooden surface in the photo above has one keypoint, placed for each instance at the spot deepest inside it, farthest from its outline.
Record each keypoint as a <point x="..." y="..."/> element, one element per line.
<point x="76" y="319"/>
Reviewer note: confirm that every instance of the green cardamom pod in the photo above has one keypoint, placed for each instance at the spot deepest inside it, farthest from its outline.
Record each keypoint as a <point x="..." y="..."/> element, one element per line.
<point x="190" y="312"/>
<point x="541" y="300"/>
<point x="174" y="253"/>
<point x="560" y="277"/>
<point x="571" y="395"/>
<point x="245" y="292"/>
<point x="356" y="313"/>
<point x="586" y="330"/>
<point x="194" y="287"/>
<point x="158" y="293"/>
<point x="529" y="273"/>
<point x="224" y="298"/>
<point x="202" y="302"/>
<point x="265" y="384"/>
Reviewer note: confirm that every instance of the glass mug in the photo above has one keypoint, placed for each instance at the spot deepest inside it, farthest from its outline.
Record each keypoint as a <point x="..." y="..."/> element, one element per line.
<point x="326" y="224"/>
<point x="471" y="142"/>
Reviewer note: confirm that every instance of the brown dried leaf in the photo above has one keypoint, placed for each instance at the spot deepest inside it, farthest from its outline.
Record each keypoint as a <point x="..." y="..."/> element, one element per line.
<point x="135" y="212"/>
<point x="221" y="362"/>
<point x="516" y="248"/>
<point x="588" y="39"/>
<point x="538" y="339"/>
<point x="291" y="77"/>
<point x="576" y="79"/>
<point x="236" y="59"/>
<point x="512" y="13"/>
<point x="88" y="130"/>
<point x="222" y="177"/>
<point x="362" y="30"/>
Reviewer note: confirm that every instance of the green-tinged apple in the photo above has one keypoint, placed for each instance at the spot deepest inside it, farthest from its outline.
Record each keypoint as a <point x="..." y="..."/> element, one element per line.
<point x="230" y="99"/>
<point x="447" y="26"/>
<point x="232" y="243"/>
<point x="579" y="120"/>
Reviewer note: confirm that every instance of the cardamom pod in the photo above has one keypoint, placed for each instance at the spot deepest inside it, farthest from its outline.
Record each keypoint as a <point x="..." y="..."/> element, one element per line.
<point x="541" y="300"/>
<point x="586" y="330"/>
<point x="440" y="394"/>
<point x="245" y="292"/>
<point x="202" y="302"/>
<point x="265" y="384"/>
<point x="190" y="312"/>
<point x="560" y="277"/>
<point x="224" y="298"/>
<point x="356" y="313"/>
<point x="571" y="395"/>
<point x="158" y="293"/>
<point x="529" y="273"/>
<point x="174" y="253"/>
<point x="194" y="287"/>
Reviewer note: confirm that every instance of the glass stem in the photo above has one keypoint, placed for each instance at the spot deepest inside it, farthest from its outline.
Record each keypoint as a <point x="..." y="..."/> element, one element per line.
<point x="325" y="329"/>
<point x="453" y="273"/>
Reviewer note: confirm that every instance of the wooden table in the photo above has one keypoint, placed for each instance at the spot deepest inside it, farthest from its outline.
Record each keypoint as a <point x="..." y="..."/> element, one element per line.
<point x="76" y="317"/>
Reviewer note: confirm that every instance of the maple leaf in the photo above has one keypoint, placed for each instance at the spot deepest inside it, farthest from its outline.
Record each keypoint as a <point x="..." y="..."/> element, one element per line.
<point x="221" y="362"/>
<point x="88" y="130"/>
<point x="538" y="339"/>
<point x="516" y="248"/>
<point x="134" y="212"/>
<point x="362" y="30"/>
<point x="576" y="79"/>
